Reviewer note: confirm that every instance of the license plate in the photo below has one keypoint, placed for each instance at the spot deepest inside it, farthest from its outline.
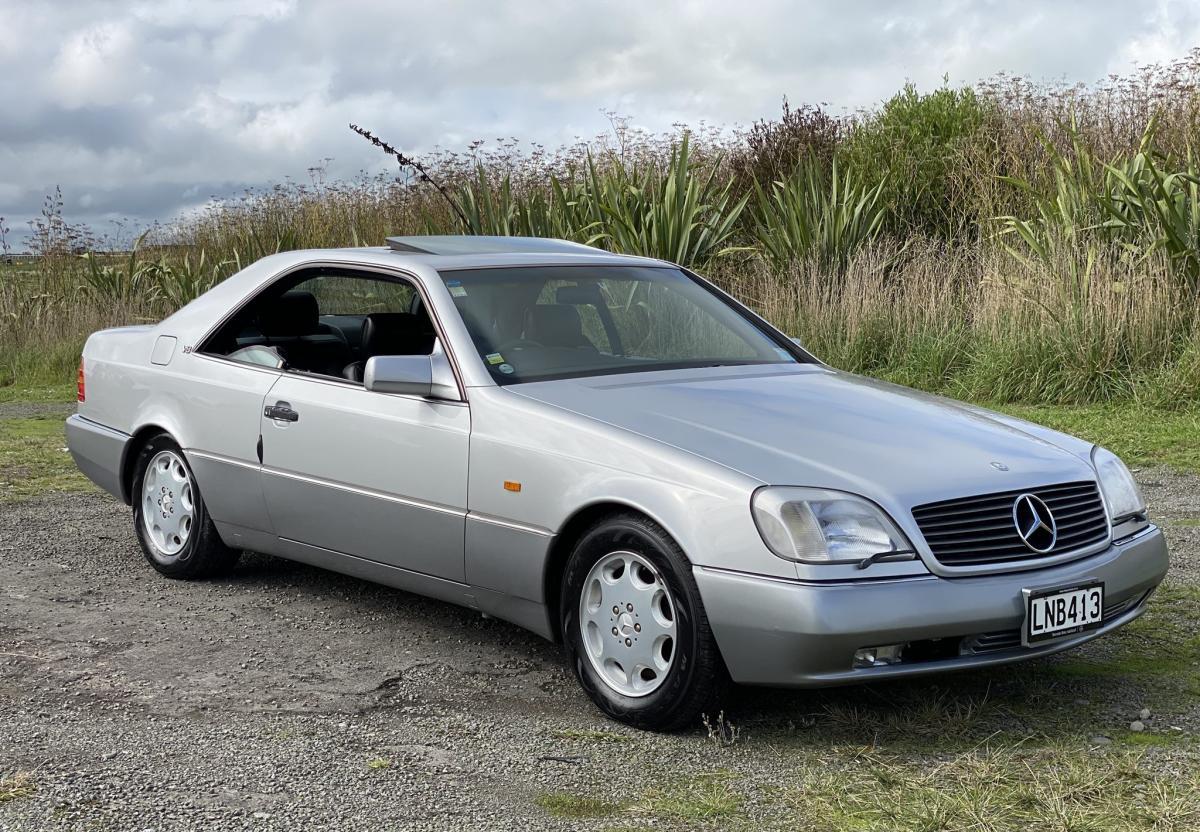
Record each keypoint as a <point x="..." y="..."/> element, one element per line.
<point x="1054" y="613"/>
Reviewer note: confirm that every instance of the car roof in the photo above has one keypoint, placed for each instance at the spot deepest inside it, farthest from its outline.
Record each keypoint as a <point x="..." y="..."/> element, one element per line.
<point x="198" y="316"/>
<point x="454" y="252"/>
<point x="483" y="244"/>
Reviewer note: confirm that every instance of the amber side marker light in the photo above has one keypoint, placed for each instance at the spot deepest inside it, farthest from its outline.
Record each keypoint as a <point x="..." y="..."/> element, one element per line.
<point x="79" y="386"/>
<point x="509" y="485"/>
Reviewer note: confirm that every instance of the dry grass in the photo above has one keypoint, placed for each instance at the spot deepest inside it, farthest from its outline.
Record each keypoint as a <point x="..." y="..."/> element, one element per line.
<point x="17" y="785"/>
<point x="978" y="323"/>
<point x="1005" y="789"/>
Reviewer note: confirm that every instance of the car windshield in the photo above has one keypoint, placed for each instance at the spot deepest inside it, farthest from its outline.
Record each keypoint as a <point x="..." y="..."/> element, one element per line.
<point x="542" y="322"/>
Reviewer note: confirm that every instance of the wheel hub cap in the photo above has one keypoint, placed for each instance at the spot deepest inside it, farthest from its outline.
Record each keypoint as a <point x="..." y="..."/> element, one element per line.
<point x="627" y="619"/>
<point x="168" y="508"/>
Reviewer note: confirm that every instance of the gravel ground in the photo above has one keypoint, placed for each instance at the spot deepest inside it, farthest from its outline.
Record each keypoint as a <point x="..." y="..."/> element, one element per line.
<point x="28" y="410"/>
<point x="286" y="697"/>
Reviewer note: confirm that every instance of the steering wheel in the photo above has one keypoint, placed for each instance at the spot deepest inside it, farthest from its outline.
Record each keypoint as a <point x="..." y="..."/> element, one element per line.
<point x="517" y="344"/>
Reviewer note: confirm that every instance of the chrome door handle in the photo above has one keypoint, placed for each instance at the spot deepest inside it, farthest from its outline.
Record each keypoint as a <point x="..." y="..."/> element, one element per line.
<point x="281" y="411"/>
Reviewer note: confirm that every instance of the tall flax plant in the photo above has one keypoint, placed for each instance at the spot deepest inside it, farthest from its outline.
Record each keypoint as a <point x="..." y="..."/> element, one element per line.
<point x="565" y="210"/>
<point x="1132" y="204"/>
<point x="682" y="214"/>
<point x="163" y="285"/>
<point x="816" y="216"/>
<point x="1160" y="210"/>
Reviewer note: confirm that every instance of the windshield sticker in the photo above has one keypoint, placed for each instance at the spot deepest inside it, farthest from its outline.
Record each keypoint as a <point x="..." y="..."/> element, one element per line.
<point x="507" y="369"/>
<point x="495" y="358"/>
<point x="458" y="292"/>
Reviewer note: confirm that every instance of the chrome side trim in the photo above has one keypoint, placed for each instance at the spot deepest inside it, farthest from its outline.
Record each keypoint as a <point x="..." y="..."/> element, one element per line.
<point x="227" y="460"/>
<point x="509" y="524"/>
<point x="895" y="579"/>
<point x="365" y="492"/>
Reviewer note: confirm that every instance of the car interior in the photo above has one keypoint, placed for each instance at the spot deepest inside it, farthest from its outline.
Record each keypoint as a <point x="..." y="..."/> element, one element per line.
<point x="544" y="322"/>
<point x="527" y="324"/>
<point x="328" y="325"/>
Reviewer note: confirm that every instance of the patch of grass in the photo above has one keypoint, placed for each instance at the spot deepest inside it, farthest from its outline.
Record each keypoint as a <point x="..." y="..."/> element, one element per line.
<point x="1140" y="435"/>
<point x="697" y="798"/>
<point x="379" y="763"/>
<point x="24" y="391"/>
<point x="1011" y="788"/>
<point x="568" y="805"/>
<point x="1163" y="646"/>
<point x="1185" y="522"/>
<point x="922" y="717"/>
<point x="15" y="786"/>
<point x="34" y="460"/>
<point x="700" y="798"/>
<point x="1154" y="739"/>
<point x="589" y="735"/>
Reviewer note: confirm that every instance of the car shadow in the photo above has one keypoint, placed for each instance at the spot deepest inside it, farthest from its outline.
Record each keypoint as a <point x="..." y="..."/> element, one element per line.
<point x="958" y="710"/>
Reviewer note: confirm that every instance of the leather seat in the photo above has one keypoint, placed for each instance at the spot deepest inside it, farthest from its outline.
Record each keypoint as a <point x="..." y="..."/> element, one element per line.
<point x="555" y="325"/>
<point x="292" y="324"/>
<point x="391" y="333"/>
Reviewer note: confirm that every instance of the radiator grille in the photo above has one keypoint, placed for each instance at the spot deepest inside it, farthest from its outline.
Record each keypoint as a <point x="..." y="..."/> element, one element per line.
<point x="979" y="530"/>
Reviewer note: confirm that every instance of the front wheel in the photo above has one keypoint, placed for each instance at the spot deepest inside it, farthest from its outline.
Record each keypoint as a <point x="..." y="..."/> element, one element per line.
<point x="169" y="516"/>
<point x="635" y="628"/>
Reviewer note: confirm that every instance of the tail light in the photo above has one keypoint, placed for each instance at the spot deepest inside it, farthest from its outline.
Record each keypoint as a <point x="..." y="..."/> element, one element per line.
<point x="79" y="386"/>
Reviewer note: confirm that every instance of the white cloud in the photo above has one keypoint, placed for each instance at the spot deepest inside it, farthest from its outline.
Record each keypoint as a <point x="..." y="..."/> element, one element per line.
<point x="97" y="65"/>
<point x="1175" y="30"/>
<point x="147" y="107"/>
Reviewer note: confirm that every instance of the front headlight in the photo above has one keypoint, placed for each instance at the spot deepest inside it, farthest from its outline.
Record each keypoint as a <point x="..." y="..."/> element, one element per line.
<point x="814" y="525"/>
<point x="1122" y="494"/>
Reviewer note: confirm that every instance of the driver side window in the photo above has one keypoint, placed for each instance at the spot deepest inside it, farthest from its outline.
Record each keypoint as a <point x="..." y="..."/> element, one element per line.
<point x="327" y="322"/>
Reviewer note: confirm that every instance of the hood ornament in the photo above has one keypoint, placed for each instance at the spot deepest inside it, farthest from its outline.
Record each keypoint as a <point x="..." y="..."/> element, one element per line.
<point x="999" y="466"/>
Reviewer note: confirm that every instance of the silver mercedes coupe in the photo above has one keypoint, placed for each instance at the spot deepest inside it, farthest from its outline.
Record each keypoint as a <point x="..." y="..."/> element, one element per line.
<point x="611" y="452"/>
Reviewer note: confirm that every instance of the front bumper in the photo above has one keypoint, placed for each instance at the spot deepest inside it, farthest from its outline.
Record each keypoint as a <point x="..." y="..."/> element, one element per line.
<point x="99" y="452"/>
<point x="794" y="634"/>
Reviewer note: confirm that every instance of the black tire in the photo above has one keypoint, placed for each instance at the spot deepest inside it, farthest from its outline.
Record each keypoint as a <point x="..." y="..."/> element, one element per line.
<point x="697" y="681"/>
<point x="203" y="554"/>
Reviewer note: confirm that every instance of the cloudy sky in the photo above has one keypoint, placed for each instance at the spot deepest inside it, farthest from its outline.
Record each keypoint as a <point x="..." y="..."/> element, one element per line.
<point x="144" y="109"/>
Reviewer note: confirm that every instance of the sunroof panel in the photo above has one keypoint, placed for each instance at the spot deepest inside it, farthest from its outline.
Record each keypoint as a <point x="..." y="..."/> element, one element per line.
<point x="465" y="244"/>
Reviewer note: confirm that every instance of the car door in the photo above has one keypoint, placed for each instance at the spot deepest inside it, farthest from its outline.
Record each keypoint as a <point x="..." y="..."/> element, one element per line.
<point x="375" y="475"/>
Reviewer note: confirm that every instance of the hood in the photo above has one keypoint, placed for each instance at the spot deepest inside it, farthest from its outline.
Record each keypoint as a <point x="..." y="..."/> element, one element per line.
<point x="813" y="426"/>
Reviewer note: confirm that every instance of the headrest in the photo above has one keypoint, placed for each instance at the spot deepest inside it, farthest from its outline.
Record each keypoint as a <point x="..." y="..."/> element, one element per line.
<point x="554" y="325"/>
<point x="396" y="333"/>
<point x="292" y="313"/>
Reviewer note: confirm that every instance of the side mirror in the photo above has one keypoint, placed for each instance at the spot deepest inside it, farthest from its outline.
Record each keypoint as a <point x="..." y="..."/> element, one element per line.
<point x="411" y="375"/>
<point x="429" y="376"/>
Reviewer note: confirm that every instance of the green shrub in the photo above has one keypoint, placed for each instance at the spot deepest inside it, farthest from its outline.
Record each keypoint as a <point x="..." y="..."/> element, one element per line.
<point x="916" y="143"/>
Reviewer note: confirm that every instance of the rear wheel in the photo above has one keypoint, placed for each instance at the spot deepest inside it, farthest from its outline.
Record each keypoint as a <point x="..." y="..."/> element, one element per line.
<point x="172" y="525"/>
<point x="635" y="627"/>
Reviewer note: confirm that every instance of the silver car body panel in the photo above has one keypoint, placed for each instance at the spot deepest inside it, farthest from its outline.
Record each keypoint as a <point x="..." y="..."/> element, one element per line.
<point x="378" y="476"/>
<point x="422" y="494"/>
<point x="802" y="635"/>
